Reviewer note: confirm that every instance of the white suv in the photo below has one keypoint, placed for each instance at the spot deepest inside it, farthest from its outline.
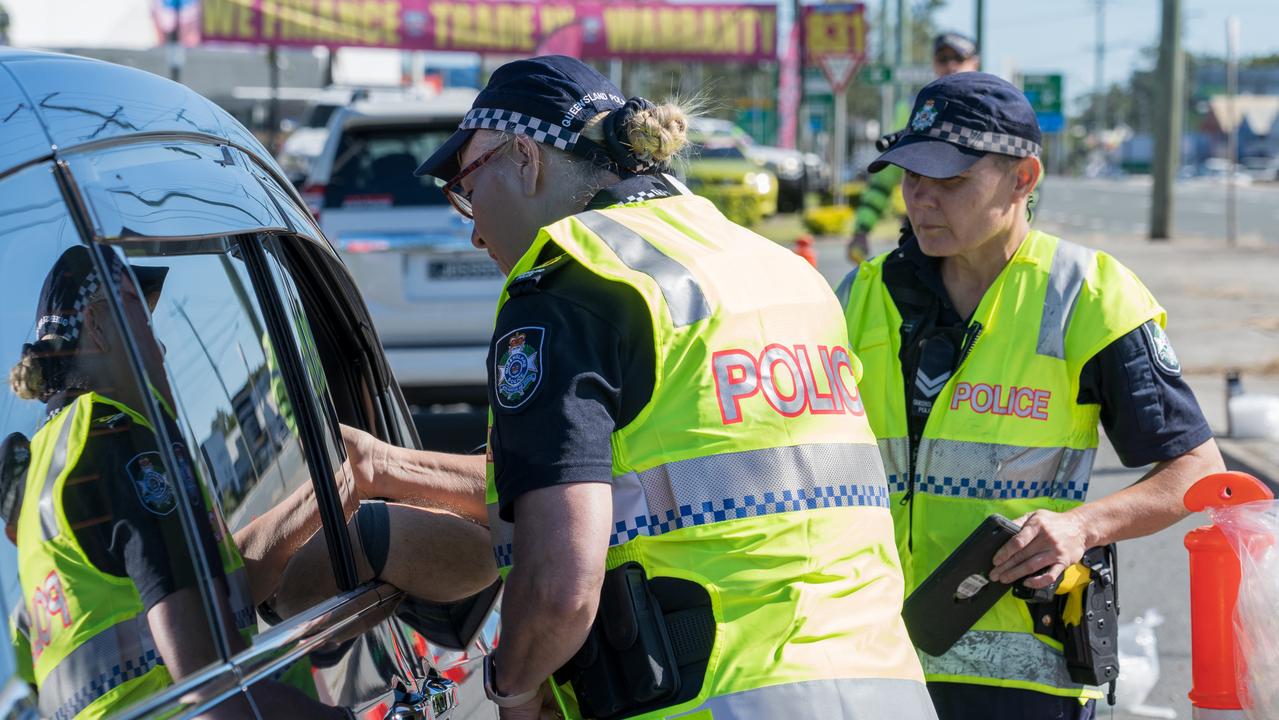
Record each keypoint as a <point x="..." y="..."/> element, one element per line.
<point x="431" y="294"/>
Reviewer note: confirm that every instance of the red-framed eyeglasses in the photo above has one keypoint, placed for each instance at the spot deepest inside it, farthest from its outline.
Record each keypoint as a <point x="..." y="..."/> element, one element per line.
<point x="461" y="201"/>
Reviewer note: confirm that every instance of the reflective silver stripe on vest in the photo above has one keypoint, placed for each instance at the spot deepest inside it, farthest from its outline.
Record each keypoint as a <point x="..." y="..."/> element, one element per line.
<point x="683" y="295"/>
<point x="105" y="661"/>
<point x="990" y="471"/>
<point x="840" y="699"/>
<point x="732" y="486"/>
<point x="896" y="455"/>
<point x="48" y="508"/>
<point x="1070" y="266"/>
<point x="1002" y="655"/>
<point x="999" y="472"/>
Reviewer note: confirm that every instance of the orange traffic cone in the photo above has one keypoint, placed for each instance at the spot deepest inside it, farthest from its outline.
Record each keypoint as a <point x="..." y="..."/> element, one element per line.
<point x="804" y="249"/>
<point x="1216" y="664"/>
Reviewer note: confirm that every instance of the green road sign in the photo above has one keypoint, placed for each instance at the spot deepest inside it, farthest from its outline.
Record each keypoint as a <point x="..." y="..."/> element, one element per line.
<point x="876" y="74"/>
<point x="1043" y="92"/>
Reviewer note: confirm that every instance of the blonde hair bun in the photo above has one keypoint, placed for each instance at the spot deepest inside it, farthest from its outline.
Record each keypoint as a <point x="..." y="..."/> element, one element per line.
<point x="658" y="133"/>
<point x="26" y="378"/>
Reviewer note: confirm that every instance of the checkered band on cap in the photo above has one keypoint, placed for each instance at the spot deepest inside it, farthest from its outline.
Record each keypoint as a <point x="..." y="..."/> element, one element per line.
<point x="984" y="141"/>
<point x="511" y="121"/>
<point x="66" y="325"/>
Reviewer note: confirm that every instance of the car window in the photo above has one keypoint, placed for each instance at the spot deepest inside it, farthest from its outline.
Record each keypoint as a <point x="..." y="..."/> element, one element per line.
<point x="317" y="116"/>
<point x="373" y="167"/>
<point x="244" y="419"/>
<point x="103" y="592"/>
<point x="718" y="149"/>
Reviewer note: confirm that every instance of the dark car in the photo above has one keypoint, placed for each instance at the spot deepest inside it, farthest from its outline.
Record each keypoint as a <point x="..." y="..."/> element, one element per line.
<point x="184" y="345"/>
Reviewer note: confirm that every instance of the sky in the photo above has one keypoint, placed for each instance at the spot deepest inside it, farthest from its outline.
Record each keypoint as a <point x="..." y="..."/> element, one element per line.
<point x="1041" y="36"/>
<point x="1021" y="35"/>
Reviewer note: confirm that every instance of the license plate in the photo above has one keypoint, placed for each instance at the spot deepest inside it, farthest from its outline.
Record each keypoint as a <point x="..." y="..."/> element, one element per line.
<point x="462" y="270"/>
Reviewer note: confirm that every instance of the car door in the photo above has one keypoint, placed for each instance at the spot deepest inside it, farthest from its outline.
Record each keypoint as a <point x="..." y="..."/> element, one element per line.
<point x="124" y="609"/>
<point x="341" y="348"/>
<point x="341" y="353"/>
<point x="252" y="429"/>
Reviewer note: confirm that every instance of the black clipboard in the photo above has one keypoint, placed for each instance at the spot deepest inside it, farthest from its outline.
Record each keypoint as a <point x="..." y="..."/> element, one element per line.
<point x="959" y="591"/>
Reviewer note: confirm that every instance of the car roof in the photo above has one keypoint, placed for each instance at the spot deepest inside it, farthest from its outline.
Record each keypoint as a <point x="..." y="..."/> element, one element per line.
<point x="449" y="104"/>
<point x="55" y="102"/>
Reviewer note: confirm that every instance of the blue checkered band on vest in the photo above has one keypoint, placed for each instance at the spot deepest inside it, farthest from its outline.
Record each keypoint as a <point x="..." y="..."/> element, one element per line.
<point x="735" y="486"/>
<point x="519" y="123"/>
<point x="984" y="141"/>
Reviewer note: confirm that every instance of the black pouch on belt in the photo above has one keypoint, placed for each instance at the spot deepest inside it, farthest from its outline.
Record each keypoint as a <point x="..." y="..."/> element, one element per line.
<point x="627" y="661"/>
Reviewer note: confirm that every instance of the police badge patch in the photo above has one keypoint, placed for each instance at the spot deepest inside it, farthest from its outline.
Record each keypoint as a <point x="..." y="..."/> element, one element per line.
<point x="154" y="489"/>
<point x="518" y="366"/>
<point x="1161" y="349"/>
<point x="925" y="117"/>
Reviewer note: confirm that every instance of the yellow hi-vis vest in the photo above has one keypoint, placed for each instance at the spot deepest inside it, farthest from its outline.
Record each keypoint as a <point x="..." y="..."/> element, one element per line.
<point x="92" y="649"/>
<point x="752" y="471"/>
<point x="1005" y="434"/>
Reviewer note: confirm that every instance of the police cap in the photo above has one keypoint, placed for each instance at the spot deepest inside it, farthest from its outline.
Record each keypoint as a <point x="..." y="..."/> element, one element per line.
<point x="959" y="118"/>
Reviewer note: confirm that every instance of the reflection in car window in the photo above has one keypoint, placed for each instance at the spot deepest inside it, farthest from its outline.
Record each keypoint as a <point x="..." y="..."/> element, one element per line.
<point x="374" y="167"/>
<point x="102" y="511"/>
<point x="234" y="404"/>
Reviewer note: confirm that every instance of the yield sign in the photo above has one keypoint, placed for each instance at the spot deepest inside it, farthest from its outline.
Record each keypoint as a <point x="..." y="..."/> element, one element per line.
<point x="839" y="69"/>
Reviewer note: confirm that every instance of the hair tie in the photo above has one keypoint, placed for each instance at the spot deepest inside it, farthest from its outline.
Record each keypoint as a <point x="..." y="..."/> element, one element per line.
<point x="617" y="135"/>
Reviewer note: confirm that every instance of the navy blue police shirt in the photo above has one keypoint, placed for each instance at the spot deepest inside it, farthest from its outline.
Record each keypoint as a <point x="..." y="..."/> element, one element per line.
<point x="120" y="499"/>
<point x="572" y="361"/>
<point x="1149" y="413"/>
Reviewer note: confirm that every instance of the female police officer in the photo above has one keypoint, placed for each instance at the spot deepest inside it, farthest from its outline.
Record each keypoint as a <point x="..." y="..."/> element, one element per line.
<point x="671" y="400"/>
<point x="998" y="348"/>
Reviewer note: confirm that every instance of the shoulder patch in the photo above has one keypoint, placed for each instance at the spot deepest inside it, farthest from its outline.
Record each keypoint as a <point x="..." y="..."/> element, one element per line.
<point x="1161" y="348"/>
<point x="152" y="483"/>
<point x="528" y="281"/>
<point x="519" y="365"/>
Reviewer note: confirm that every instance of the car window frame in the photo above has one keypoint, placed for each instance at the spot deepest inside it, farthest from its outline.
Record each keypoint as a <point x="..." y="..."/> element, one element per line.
<point x="227" y="671"/>
<point x="222" y="671"/>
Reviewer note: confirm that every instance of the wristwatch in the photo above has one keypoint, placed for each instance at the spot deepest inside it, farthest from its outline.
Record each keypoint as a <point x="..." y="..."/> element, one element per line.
<point x="505" y="701"/>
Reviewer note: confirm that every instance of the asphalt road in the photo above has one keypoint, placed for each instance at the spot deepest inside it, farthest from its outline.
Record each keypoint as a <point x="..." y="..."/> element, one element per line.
<point x="1123" y="205"/>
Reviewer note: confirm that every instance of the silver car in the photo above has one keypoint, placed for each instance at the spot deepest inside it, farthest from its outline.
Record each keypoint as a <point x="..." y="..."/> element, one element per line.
<point x="432" y="295"/>
<point x="212" y="305"/>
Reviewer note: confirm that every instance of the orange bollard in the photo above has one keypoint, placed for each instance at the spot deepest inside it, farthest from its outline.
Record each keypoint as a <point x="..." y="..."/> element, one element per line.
<point x="804" y="249"/>
<point x="1216" y="664"/>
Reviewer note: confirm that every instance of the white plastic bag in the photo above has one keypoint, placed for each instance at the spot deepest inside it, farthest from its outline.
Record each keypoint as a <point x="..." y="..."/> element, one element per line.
<point x="1253" y="531"/>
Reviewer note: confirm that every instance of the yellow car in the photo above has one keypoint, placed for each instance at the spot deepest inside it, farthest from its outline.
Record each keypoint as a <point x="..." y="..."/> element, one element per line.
<point x="719" y="170"/>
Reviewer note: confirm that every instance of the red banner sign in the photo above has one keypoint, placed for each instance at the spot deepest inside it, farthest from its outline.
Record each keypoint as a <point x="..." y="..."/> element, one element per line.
<point x="627" y="29"/>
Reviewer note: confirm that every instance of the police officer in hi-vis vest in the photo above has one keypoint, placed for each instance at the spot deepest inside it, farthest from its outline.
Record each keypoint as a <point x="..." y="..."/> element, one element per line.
<point x="112" y="611"/>
<point x="996" y="350"/>
<point x="683" y="491"/>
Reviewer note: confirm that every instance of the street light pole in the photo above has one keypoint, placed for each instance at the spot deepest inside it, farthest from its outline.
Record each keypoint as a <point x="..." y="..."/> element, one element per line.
<point x="1099" y="66"/>
<point x="980" y="22"/>
<point x="1168" y="121"/>
<point x="1232" y="91"/>
<point x="174" y="44"/>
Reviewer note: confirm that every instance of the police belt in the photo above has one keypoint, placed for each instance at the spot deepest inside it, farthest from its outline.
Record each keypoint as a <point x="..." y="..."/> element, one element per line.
<point x="647" y="649"/>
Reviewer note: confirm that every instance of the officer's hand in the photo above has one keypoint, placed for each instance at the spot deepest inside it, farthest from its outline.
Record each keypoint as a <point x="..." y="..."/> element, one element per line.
<point x="1048" y="543"/>
<point x="362" y="450"/>
<point x="859" y="247"/>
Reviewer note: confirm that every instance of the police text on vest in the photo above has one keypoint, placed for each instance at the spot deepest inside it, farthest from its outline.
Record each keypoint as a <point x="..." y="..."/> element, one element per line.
<point x="997" y="400"/>
<point x="785" y="376"/>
